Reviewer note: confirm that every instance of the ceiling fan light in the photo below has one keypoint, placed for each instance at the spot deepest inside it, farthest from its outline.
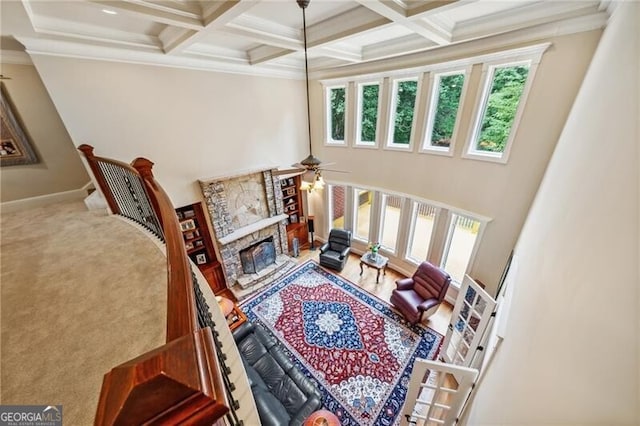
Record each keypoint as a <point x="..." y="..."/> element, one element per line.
<point x="305" y="186"/>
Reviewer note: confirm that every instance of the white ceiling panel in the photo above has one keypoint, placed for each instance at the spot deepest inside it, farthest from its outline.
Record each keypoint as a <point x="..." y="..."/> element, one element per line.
<point x="265" y="35"/>
<point x="87" y="13"/>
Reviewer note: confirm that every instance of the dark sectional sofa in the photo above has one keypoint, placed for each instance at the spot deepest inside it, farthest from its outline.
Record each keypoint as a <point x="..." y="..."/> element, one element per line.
<point x="283" y="394"/>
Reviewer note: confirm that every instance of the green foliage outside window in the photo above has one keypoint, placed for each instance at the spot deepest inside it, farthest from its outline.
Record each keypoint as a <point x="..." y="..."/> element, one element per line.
<point x="369" y="118"/>
<point x="405" y="103"/>
<point x="508" y="84"/>
<point x="449" y="91"/>
<point x="337" y="113"/>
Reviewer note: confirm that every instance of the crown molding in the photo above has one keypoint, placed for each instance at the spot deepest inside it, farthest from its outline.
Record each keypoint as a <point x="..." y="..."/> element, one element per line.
<point x="67" y="49"/>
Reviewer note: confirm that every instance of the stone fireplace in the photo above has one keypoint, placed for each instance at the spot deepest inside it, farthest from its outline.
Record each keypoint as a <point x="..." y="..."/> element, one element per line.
<point x="246" y="211"/>
<point x="258" y="256"/>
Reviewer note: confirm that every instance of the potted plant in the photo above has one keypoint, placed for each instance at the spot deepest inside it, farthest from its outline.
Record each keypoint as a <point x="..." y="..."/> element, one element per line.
<point x="374" y="247"/>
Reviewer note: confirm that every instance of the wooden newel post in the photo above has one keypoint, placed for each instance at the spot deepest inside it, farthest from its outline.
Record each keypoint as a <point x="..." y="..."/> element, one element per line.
<point x="144" y="168"/>
<point x="87" y="150"/>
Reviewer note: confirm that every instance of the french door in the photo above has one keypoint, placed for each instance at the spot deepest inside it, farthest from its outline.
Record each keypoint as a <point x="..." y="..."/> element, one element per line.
<point x="436" y="394"/>
<point x="471" y="315"/>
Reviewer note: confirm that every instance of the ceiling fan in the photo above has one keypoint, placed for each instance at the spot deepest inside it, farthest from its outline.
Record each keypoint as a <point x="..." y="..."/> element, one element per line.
<point x="310" y="168"/>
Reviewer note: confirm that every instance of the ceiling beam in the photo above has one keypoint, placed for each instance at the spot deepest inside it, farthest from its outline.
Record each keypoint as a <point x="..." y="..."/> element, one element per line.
<point x="266" y="53"/>
<point x="398" y="46"/>
<point x="371" y="15"/>
<point x="399" y="15"/>
<point x="522" y="17"/>
<point x="215" y="15"/>
<point x="320" y="35"/>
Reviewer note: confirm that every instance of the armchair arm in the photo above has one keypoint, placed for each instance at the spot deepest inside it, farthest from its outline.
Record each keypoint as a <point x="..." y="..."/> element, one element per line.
<point x="324" y="247"/>
<point x="428" y="304"/>
<point x="404" y="283"/>
<point x="243" y="331"/>
<point x="344" y="252"/>
<point x="312" y="404"/>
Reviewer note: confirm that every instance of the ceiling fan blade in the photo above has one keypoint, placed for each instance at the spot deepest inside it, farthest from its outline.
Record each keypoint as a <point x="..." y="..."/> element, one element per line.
<point x="332" y="170"/>
<point x="295" y="171"/>
<point x="326" y="164"/>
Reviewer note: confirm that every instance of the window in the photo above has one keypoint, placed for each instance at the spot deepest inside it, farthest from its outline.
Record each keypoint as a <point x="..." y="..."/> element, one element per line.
<point x="363" y="202"/>
<point x="403" y="106"/>
<point x="459" y="245"/>
<point x="443" y="112"/>
<point x="391" y="209"/>
<point x="423" y="217"/>
<point x="493" y="131"/>
<point x="336" y="106"/>
<point x="368" y="95"/>
<point x="337" y="201"/>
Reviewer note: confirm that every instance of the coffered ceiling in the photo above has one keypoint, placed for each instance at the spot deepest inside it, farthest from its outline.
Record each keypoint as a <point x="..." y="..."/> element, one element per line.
<point x="265" y="36"/>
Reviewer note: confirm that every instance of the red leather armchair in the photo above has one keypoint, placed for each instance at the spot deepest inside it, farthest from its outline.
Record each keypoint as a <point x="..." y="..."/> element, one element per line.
<point x="420" y="295"/>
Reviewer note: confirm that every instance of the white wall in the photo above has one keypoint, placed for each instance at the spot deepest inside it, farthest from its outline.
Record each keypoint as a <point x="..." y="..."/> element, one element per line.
<point x="191" y="124"/>
<point x="59" y="168"/>
<point x="503" y="192"/>
<point x="570" y="355"/>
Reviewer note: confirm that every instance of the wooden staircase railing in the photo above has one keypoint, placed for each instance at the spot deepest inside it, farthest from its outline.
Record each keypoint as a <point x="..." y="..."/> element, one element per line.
<point x="186" y="380"/>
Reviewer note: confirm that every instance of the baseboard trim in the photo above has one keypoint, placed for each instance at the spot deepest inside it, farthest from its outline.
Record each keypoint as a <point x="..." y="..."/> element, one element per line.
<point x="42" y="200"/>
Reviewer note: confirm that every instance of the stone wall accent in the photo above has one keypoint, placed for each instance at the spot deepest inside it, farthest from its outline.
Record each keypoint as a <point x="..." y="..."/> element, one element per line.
<point x="237" y="201"/>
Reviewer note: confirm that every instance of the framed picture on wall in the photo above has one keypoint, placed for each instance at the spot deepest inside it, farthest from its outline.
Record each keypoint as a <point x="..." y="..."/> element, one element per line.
<point x="201" y="258"/>
<point x="15" y="146"/>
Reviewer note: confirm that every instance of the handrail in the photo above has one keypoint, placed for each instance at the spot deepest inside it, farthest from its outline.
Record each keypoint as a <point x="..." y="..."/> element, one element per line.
<point x="181" y="304"/>
<point x="185" y="380"/>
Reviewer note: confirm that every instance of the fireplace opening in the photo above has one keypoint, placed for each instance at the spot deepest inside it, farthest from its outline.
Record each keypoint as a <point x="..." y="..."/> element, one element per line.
<point x="258" y="256"/>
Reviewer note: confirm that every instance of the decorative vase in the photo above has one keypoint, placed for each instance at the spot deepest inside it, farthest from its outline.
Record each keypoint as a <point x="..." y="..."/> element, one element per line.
<point x="373" y="256"/>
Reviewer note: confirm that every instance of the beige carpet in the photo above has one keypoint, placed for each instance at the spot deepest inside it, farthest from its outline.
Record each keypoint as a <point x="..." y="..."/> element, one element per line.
<point x="80" y="293"/>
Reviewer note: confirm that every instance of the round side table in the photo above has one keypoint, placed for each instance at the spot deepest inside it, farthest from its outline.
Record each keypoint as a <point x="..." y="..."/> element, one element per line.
<point x="322" y="418"/>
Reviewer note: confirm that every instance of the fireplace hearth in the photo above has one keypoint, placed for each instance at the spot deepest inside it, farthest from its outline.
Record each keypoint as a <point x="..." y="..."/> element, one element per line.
<point x="258" y="256"/>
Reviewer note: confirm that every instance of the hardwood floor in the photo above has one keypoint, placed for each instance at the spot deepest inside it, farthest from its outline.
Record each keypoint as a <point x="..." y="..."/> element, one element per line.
<point x="367" y="281"/>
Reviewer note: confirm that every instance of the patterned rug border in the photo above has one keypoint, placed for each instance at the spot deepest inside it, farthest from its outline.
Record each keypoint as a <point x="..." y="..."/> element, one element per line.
<point x="371" y="300"/>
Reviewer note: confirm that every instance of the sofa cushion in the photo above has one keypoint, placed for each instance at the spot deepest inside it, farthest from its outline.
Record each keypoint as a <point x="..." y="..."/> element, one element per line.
<point x="251" y="349"/>
<point x="254" y="378"/>
<point x="270" y="410"/>
<point x="270" y="371"/>
<point x="289" y="394"/>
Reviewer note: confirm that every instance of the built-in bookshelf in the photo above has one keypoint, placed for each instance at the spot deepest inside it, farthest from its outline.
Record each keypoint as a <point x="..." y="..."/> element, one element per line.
<point x="293" y="207"/>
<point x="198" y="244"/>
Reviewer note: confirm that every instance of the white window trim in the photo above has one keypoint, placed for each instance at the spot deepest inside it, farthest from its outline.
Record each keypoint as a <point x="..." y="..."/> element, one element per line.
<point x="359" y="88"/>
<point x="476" y="243"/>
<point x="412" y="229"/>
<point x="488" y="70"/>
<point x="328" y="140"/>
<point x="430" y="113"/>
<point x="389" y="144"/>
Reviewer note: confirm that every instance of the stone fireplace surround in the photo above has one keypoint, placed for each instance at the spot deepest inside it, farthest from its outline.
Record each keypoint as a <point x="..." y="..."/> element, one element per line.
<point x="245" y="209"/>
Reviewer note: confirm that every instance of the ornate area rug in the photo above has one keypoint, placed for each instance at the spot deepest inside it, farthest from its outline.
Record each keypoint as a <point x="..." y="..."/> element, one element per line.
<point x="354" y="346"/>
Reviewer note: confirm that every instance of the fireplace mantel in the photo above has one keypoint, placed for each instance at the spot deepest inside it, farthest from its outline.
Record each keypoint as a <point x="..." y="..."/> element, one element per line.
<point x="250" y="229"/>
